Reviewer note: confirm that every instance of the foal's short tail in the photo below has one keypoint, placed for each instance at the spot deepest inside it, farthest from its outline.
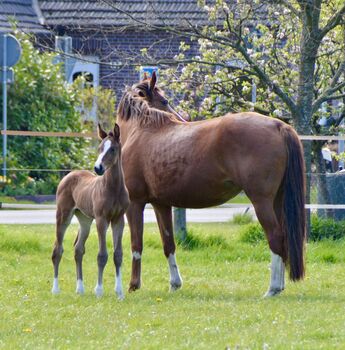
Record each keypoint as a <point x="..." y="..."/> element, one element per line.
<point x="293" y="221"/>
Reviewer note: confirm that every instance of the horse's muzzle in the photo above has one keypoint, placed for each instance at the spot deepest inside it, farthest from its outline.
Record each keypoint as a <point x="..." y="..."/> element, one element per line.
<point x="99" y="170"/>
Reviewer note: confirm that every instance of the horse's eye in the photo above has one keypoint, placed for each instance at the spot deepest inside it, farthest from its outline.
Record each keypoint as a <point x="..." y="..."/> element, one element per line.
<point x="165" y="102"/>
<point x="141" y="94"/>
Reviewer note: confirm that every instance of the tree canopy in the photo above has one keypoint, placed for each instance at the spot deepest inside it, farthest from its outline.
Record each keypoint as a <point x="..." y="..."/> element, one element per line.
<point x="40" y="100"/>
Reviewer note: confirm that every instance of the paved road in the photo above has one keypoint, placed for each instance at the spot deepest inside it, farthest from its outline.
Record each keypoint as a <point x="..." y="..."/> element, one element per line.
<point x="48" y="216"/>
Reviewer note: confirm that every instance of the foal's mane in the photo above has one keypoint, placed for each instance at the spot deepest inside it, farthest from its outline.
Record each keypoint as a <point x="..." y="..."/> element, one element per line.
<point x="133" y="107"/>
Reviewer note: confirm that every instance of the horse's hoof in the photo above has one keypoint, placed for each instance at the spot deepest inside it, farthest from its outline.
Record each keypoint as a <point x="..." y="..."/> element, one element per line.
<point x="272" y="292"/>
<point x="55" y="291"/>
<point x="175" y="286"/>
<point x="133" y="287"/>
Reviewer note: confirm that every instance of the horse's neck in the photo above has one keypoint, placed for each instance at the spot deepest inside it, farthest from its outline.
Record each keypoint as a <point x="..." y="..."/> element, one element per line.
<point x="113" y="177"/>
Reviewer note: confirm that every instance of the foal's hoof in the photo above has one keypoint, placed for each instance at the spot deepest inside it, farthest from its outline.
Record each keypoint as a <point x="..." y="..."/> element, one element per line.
<point x="272" y="292"/>
<point x="120" y="296"/>
<point x="99" y="291"/>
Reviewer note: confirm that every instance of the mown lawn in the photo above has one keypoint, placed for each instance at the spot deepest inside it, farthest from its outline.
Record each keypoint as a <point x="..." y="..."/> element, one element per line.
<point x="220" y="305"/>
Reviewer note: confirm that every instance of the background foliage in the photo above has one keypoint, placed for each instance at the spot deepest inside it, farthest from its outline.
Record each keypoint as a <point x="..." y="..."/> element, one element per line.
<point x="40" y="100"/>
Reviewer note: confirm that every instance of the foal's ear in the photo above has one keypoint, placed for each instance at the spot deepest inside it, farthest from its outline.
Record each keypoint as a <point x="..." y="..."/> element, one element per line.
<point x="101" y="133"/>
<point x="153" y="80"/>
<point x="116" y="132"/>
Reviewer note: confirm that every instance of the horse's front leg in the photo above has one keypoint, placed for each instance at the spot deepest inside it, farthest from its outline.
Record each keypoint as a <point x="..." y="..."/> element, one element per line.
<point x="164" y="219"/>
<point x="102" y="257"/>
<point x="117" y="226"/>
<point x="135" y="217"/>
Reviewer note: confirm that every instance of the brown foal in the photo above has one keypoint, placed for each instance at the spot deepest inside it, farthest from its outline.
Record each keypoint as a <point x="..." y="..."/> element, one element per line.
<point x="103" y="198"/>
<point x="168" y="162"/>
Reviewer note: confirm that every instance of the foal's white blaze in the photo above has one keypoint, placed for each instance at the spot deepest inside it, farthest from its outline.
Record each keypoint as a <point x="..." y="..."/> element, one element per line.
<point x="175" y="277"/>
<point x="80" y="287"/>
<point x="107" y="145"/>
<point x="118" y="286"/>
<point x="277" y="283"/>
<point x="136" y="255"/>
<point x="55" y="289"/>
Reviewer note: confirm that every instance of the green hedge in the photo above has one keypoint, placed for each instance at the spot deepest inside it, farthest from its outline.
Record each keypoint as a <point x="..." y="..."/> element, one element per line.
<point x="320" y="229"/>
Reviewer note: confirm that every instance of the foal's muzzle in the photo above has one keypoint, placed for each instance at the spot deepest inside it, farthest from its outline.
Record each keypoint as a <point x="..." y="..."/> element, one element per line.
<point x="99" y="170"/>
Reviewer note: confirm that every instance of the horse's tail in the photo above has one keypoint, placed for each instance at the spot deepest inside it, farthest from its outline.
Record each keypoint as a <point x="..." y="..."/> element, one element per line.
<point x="293" y="218"/>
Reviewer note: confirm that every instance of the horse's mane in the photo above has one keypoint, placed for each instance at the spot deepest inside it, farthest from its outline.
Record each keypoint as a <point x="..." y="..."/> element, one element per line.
<point x="133" y="107"/>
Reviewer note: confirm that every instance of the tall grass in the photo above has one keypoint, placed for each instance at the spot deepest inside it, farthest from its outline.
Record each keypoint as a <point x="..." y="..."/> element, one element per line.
<point x="219" y="306"/>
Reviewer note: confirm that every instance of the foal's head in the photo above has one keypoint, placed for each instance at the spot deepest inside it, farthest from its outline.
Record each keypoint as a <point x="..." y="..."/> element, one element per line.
<point x="108" y="150"/>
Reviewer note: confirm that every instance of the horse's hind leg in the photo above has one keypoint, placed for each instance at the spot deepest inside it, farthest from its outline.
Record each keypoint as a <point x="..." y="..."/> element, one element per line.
<point x="135" y="217"/>
<point x="63" y="219"/>
<point x="164" y="219"/>
<point x="102" y="257"/>
<point x="79" y="248"/>
<point x="267" y="217"/>
<point x="117" y="229"/>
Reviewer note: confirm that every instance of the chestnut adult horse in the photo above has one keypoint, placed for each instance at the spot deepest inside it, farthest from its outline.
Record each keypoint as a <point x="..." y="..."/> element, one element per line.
<point x="168" y="162"/>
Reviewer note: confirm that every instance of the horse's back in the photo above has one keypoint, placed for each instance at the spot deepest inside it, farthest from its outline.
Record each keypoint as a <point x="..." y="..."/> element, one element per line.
<point x="74" y="182"/>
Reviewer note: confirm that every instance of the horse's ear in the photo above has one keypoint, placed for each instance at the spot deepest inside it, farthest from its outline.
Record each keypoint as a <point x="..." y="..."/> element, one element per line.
<point x="153" y="81"/>
<point x="101" y="133"/>
<point x="116" y="132"/>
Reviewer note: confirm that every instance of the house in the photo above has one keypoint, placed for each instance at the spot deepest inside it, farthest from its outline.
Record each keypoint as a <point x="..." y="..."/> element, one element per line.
<point x="104" y="39"/>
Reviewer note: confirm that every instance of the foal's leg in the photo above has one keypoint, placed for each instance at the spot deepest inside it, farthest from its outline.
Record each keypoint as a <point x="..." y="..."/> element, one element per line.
<point x="164" y="219"/>
<point x="79" y="248"/>
<point x="117" y="226"/>
<point x="135" y="217"/>
<point x="268" y="219"/>
<point x="102" y="257"/>
<point x="63" y="219"/>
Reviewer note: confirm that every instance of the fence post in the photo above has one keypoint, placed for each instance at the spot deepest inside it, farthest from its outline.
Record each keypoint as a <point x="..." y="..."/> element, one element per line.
<point x="180" y="229"/>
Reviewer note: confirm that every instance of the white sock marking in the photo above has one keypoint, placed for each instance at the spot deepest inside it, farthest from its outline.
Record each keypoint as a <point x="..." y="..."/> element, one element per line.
<point x="80" y="287"/>
<point x="99" y="290"/>
<point x="277" y="283"/>
<point x="136" y="255"/>
<point x="175" y="277"/>
<point x="55" y="289"/>
<point x="118" y="286"/>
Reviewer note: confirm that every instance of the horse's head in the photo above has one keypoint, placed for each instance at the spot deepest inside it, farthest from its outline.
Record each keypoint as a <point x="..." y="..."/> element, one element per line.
<point x="108" y="150"/>
<point x="154" y="96"/>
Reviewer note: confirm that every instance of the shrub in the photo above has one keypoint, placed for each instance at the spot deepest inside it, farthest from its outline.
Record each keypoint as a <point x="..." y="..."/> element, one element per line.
<point x="325" y="228"/>
<point x="195" y="241"/>
<point x="320" y="229"/>
<point x="252" y="233"/>
<point x="242" y="219"/>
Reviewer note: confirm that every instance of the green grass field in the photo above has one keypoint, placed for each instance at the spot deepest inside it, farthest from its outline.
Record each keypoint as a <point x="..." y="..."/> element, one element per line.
<point x="220" y="305"/>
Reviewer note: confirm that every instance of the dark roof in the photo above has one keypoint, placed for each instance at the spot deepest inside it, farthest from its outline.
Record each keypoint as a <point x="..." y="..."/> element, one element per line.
<point x="23" y="12"/>
<point x="94" y="13"/>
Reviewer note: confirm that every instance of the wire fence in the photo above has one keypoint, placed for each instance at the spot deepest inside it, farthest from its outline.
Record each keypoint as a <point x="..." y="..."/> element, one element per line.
<point x="333" y="182"/>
